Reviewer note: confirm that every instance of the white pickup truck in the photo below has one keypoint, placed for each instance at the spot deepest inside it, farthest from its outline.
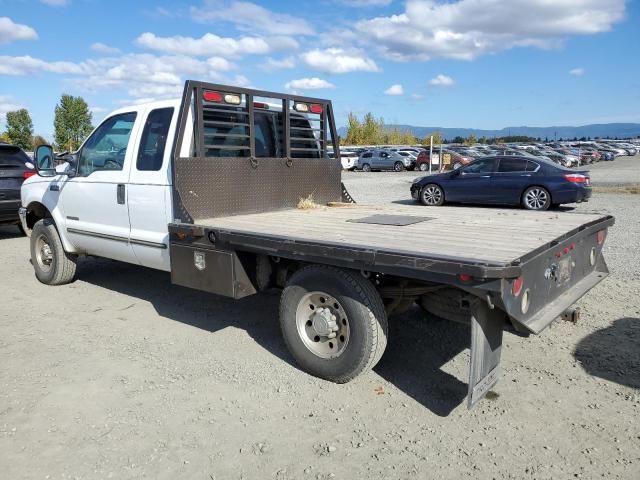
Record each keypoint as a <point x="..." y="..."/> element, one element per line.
<point x="209" y="188"/>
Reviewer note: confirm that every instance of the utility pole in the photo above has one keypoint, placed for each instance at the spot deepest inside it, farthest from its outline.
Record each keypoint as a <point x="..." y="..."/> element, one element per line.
<point x="430" y="152"/>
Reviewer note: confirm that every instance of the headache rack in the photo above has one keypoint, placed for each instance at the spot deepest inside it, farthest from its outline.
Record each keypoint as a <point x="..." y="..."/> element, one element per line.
<point x="240" y="150"/>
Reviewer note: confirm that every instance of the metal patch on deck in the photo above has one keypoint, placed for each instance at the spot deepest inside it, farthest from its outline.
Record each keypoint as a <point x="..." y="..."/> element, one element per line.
<point x="396" y="220"/>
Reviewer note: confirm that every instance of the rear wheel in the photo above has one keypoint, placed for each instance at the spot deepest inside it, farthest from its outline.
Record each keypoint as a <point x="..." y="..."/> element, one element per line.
<point x="398" y="167"/>
<point x="424" y="167"/>
<point x="333" y="322"/>
<point x="432" y="195"/>
<point x="366" y="167"/>
<point x="536" y="198"/>
<point x="52" y="265"/>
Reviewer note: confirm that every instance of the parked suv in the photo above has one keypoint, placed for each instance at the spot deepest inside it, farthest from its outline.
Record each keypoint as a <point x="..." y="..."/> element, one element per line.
<point x="15" y="167"/>
<point x="379" y="159"/>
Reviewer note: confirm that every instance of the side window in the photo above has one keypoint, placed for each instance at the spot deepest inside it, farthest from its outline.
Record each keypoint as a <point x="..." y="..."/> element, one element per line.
<point x="107" y="147"/>
<point x="532" y="166"/>
<point x="508" y="165"/>
<point x="479" y="166"/>
<point x="154" y="139"/>
<point x="366" y="155"/>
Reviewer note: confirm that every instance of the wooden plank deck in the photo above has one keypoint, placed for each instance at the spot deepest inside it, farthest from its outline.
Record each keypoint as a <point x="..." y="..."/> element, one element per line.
<point x="494" y="236"/>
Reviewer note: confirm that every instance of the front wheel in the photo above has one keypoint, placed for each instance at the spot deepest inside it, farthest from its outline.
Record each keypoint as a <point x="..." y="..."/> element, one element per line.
<point x="424" y="167"/>
<point x="333" y="322"/>
<point x="398" y="167"/>
<point x="366" y="167"/>
<point x="52" y="265"/>
<point x="432" y="195"/>
<point x="536" y="198"/>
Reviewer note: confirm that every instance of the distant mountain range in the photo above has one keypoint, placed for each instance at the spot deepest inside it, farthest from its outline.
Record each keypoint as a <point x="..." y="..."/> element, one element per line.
<point x="612" y="130"/>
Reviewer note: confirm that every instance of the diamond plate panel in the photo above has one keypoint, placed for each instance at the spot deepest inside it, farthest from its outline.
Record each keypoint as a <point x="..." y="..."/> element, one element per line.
<point x="219" y="187"/>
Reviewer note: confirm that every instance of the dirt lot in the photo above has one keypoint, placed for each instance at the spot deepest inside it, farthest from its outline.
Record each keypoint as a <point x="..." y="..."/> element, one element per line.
<point x="121" y="375"/>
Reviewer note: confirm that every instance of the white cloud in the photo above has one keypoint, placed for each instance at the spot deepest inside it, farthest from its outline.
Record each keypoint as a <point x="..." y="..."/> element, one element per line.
<point x="576" y="72"/>
<point x="27" y="65"/>
<point x="441" y="80"/>
<point x="210" y="44"/>
<point x="394" y="90"/>
<point x="338" y="60"/>
<point x="10" y="31"/>
<point x="272" y="64"/>
<point x="56" y="3"/>
<point x="97" y="109"/>
<point x="314" y="83"/>
<point x="251" y="17"/>
<point x="466" y="29"/>
<point x="103" y="48"/>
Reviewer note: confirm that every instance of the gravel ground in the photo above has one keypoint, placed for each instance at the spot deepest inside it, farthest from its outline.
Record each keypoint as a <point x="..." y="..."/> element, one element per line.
<point x="122" y="375"/>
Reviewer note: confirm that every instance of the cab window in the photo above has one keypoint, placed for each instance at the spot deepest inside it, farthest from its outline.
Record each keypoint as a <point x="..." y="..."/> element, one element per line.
<point x="106" y="149"/>
<point x="154" y="139"/>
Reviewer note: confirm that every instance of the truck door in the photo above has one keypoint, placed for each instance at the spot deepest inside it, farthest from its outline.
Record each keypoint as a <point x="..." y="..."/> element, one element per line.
<point x="149" y="191"/>
<point x="94" y="200"/>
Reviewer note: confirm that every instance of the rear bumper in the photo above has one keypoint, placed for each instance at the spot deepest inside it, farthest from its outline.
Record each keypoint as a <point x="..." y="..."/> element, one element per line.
<point x="572" y="195"/>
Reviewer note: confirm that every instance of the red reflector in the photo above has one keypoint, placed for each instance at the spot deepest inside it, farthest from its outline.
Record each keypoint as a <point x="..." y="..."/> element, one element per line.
<point x="260" y="105"/>
<point x="315" y="108"/>
<point x="516" y="288"/>
<point x="210" y="96"/>
<point x="465" y="277"/>
<point x="600" y="237"/>
<point x="576" y="178"/>
<point x="28" y="173"/>
<point x="572" y="246"/>
<point x="566" y="250"/>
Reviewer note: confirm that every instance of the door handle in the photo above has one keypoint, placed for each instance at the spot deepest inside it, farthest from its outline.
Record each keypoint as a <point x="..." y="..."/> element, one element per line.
<point x="120" y="194"/>
<point x="485" y="176"/>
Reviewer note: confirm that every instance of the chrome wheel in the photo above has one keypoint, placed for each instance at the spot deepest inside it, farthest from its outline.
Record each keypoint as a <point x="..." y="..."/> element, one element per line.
<point x="424" y="167"/>
<point x="44" y="255"/>
<point x="432" y="195"/>
<point x="536" y="198"/>
<point x="322" y="325"/>
<point x="366" y="167"/>
<point x="398" y="167"/>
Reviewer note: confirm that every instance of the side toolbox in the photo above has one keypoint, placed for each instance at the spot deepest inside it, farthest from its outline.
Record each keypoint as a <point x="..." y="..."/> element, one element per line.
<point x="211" y="270"/>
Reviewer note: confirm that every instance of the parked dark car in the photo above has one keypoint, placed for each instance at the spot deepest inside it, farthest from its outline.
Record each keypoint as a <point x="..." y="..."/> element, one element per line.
<point x="15" y="167"/>
<point x="534" y="184"/>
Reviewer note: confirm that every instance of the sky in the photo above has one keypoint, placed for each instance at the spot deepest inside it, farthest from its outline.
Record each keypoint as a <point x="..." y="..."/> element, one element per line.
<point x="456" y="63"/>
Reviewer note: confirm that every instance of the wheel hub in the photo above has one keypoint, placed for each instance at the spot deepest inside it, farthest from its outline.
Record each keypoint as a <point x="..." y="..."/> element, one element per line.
<point x="322" y="324"/>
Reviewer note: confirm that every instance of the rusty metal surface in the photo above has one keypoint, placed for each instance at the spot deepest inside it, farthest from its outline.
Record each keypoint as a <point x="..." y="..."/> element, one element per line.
<point x="217" y="187"/>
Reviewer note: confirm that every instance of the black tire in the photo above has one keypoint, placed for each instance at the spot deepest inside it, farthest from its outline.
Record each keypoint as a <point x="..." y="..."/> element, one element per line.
<point x="398" y="167"/>
<point x="536" y="198"/>
<point x="424" y="167"/>
<point x="432" y="195"/>
<point x="446" y="304"/>
<point x="53" y="266"/>
<point x="366" y="167"/>
<point x="363" y="307"/>
<point x="19" y="225"/>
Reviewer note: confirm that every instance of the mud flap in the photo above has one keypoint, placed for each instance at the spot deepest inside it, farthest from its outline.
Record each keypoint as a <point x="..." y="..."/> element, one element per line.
<point x="486" y="345"/>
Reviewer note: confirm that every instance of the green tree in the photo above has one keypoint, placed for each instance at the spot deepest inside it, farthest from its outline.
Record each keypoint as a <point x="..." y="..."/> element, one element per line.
<point x="470" y="140"/>
<point x="354" y="130"/>
<point x="437" y="138"/>
<point x="4" y="137"/>
<point x="38" y="140"/>
<point x="372" y="130"/>
<point x="20" y="128"/>
<point x="72" y="122"/>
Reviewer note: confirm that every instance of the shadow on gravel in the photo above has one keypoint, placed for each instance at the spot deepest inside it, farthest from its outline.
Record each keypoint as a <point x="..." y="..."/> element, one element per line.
<point x="256" y="314"/>
<point x="613" y="353"/>
<point x="418" y="348"/>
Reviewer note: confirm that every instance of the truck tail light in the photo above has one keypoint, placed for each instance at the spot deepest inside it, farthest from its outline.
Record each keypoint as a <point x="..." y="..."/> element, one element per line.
<point x="210" y="96"/>
<point x="301" y="107"/>
<point x="465" y="277"/>
<point x="315" y="108"/>
<point x="230" y="98"/>
<point x="28" y="173"/>
<point x="516" y="288"/>
<point x="600" y="237"/>
<point x="261" y="105"/>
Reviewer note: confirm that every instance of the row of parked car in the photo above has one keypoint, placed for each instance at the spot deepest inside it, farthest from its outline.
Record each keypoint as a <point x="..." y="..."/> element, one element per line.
<point x="452" y="156"/>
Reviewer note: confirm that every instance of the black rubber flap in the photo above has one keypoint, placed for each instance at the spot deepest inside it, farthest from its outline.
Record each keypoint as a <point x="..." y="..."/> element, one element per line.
<point x="397" y="220"/>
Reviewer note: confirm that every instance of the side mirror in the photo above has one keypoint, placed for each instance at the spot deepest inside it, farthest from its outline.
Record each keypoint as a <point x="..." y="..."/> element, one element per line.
<point x="44" y="161"/>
